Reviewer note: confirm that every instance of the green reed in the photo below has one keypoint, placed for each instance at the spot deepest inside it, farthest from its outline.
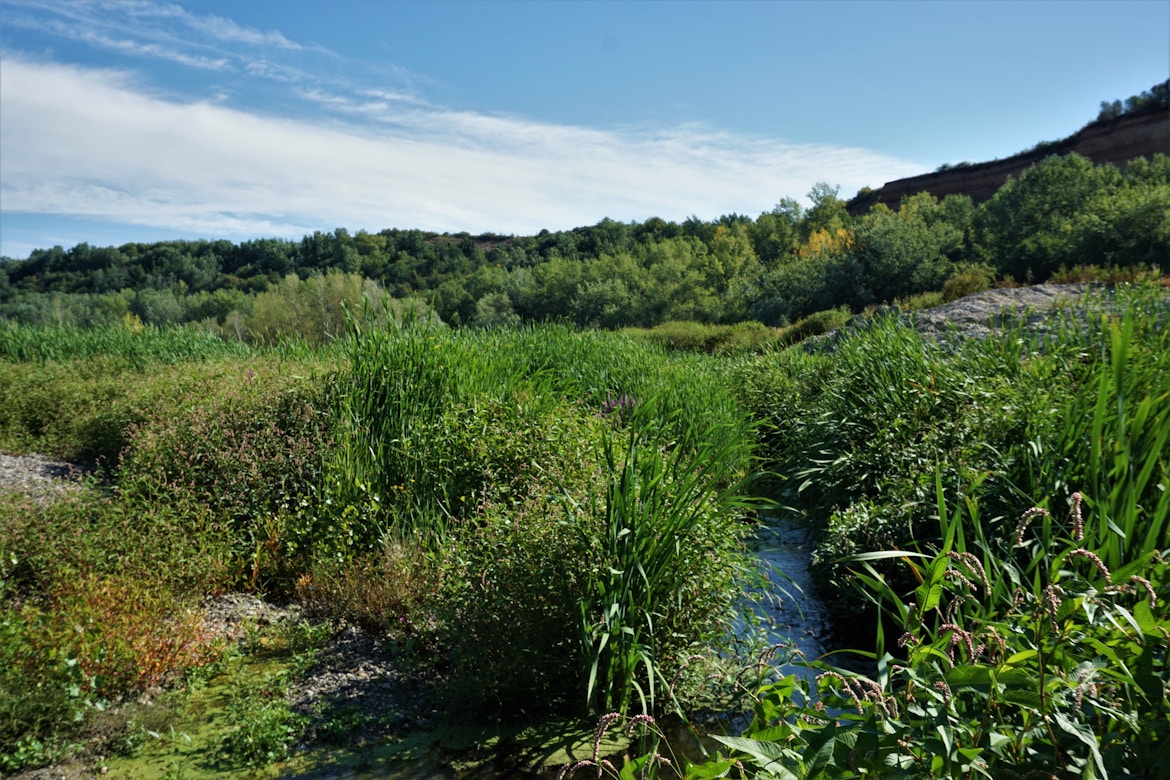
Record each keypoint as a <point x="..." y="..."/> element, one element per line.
<point x="666" y="561"/>
<point x="1026" y="643"/>
<point x="407" y="397"/>
<point x="136" y="344"/>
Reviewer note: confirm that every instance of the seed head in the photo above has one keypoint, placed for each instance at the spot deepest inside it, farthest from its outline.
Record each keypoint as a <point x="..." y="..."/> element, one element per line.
<point x="1078" y="523"/>
<point x="1025" y="519"/>
<point x="1081" y="552"/>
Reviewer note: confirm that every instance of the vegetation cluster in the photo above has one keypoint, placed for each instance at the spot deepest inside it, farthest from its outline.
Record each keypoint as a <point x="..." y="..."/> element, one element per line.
<point x="553" y="519"/>
<point x="784" y="265"/>
<point x="1156" y="98"/>
<point x="1012" y="640"/>
<point x="558" y="517"/>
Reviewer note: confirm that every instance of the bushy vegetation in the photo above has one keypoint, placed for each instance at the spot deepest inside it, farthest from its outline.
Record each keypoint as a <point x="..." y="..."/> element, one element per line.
<point x="1021" y="653"/>
<point x="858" y="434"/>
<point x="548" y="520"/>
<point x="1155" y="99"/>
<point x="528" y="449"/>
<point x="555" y="517"/>
<point x="1004" y="505"/>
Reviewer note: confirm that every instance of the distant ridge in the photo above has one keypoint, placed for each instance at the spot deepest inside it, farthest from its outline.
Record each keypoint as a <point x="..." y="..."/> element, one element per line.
<point x="1117" y="140"/>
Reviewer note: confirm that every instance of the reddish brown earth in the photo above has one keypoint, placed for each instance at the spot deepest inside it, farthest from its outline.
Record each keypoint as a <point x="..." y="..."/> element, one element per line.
<point x="1115" y="141"/>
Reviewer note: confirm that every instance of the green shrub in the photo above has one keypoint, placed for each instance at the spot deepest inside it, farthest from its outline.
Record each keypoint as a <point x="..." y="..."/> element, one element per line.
<point x="713" y="339"/>
<point x="467" y="443"/>
<point x="587" y="593"/>
<point x="93" y="606"/>
<point x="857" y="436"/>
<point x="816" y="324"/>
<point x="926" y="300"/>
<point x="1111" y="274"/>
<point x="967" y="279"/>
<point x="248" y="441"/>
<point x="508" y="615"/>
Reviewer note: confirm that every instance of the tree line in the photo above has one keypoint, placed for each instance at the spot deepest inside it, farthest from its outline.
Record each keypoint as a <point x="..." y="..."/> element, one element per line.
<point x="1157" y="98"/>
<point x="776" y="268"/>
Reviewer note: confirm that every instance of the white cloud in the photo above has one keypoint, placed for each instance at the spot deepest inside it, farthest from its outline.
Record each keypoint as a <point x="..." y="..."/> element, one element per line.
<point x="153" y="50"/>
<point x="227" y="30"/>
<point x="162" y="31"/>
<point x="88" y="143"/>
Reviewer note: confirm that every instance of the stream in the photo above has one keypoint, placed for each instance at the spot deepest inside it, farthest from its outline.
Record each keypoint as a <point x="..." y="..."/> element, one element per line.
<point x="792" y="613"/>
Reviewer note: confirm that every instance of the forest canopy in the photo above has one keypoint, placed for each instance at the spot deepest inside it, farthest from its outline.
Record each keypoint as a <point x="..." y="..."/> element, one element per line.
<point x="776" y="268"/>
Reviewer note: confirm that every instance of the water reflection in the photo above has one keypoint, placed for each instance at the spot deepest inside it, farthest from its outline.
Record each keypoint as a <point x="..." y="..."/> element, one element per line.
<point x="791" y="612"/>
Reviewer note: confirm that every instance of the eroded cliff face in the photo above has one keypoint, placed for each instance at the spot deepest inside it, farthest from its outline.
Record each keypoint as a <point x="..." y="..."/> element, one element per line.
<point x="1114" y="141"/>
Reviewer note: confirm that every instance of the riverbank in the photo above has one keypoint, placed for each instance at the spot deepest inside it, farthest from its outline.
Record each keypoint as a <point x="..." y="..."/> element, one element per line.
<point x="929" y="377"/>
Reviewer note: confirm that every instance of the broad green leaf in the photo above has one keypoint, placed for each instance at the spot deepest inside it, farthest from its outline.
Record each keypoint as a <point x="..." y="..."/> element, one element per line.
<point x="767" y="755"/>
<point x="969" y="753"/>
<point x="1084" y="735"/>
<point x="710" y="769"/>
<point x="878" y="555"/>
<point x="1025" y="698"/>
<point x="968" y="675"/>
<point x="944" y="733"/>
<point x="1017" y="678"/>
<point x="1023" y="655"/>
<point x="1145" y="618"/>
<point x="820" y="750"/>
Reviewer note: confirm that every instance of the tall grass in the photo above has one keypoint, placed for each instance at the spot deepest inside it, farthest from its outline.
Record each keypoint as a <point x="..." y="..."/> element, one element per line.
<point x="669" y="528"/>
<point x="1116" y="435"/>
<point x="1021" y="654"/>
<point x="1024" y="415"/>
<point x="136" y="344"/>
<point x="1025" y="642"/>
<point x="407" y="397"/>
<point x="467" y="443"/>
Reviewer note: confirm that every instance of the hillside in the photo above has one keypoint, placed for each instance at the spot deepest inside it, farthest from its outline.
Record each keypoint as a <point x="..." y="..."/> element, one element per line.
<point x="1117" y="141"/>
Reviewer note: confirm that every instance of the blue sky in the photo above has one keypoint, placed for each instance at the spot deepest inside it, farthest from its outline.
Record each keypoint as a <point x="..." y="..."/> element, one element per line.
<point x="143" y="120"/>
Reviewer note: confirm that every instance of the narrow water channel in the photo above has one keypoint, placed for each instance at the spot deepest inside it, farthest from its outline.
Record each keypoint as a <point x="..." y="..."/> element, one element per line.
<point x="791" y="612"/>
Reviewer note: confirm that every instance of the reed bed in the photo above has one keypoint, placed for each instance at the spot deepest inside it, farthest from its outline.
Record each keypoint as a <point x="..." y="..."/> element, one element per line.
<point x="1018" y="561"/>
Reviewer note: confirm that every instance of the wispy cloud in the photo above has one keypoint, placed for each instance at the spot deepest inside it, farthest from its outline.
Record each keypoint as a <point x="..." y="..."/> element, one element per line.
<point x="143" y="18"/>
<point x="226" y="30"/>
<point x="88" y="142"/>
<point x="166" y="32"/>
<point x="152" y="50"/>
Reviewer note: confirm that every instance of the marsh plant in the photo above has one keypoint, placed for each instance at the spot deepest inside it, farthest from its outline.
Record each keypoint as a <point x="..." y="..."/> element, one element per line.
<point x="664" y="559"/>
<point x="549" y="520"/>
<point x="856" y="434"/>
<point x="1020" y="655"/>
<point x="642" y="732"/>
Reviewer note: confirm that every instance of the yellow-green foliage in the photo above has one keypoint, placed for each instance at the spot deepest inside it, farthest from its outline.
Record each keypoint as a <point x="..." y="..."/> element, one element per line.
<point x="91" y="409"/>
<point x="315" y="309"/>
<point x="712" y="339"/>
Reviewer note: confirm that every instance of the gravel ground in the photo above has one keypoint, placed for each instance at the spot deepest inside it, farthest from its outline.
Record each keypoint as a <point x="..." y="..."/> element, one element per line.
<point x="40" y="478"/>
<point x="978" y="315"/>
